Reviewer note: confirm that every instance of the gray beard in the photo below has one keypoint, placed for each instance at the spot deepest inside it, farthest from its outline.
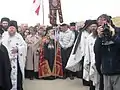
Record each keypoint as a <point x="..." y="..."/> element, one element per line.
<point x="5" y="28"/>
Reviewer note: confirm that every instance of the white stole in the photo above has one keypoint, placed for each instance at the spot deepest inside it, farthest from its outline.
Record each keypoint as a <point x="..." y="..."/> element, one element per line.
<point x="74" y="59"/>
<point x="10" y="43"/>
<point x="89" y="71"/>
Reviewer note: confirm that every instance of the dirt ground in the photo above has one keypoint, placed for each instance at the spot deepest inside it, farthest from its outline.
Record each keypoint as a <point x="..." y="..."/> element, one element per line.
<point x="57" y="84"/>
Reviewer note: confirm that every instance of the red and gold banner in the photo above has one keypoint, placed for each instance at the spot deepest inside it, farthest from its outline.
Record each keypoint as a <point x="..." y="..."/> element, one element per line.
<point x="54" y="7"/>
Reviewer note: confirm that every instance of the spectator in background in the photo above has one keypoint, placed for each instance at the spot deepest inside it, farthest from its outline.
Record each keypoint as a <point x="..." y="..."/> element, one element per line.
<point x="24" y="27"/>
<point x="66" y="40"/>
<point x="32" y="41"/>
<point x="5" y="23"/>
<point x="27" y="32"/>
<point x="41" y="31"/>
<point x="73" y="28"/>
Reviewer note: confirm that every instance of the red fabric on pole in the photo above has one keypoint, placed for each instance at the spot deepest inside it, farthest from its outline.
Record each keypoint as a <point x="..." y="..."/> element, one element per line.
<point x="37" y="10"/>
<point x="37" y="5"/>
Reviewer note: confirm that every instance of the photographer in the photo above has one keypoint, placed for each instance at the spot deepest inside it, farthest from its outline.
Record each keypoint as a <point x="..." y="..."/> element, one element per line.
<point x="107" y="50"/>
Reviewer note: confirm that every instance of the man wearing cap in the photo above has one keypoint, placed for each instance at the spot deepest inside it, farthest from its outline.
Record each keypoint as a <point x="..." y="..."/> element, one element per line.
<point x="5" y="23"/>
<point x="17" y="49"/>
<point x="73" y="28"/>
<point x="5" y="67"/>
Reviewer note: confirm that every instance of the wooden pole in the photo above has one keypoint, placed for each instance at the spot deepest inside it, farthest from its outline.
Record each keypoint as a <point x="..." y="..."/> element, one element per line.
<point x="55" y="50"/>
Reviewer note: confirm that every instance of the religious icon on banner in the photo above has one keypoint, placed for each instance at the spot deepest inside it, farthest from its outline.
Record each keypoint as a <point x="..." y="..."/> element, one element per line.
<point x="55" y="4"/>
<point x="55" y="7"/>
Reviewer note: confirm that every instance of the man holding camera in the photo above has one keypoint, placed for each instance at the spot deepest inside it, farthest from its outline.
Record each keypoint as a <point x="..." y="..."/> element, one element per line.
<point x="107" y="50"/>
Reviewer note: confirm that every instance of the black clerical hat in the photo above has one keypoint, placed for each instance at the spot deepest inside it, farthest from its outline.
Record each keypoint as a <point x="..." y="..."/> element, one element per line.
<point x="93" y="22"/>
<point x="89" y="22"/>
<point x="5" y="19"/>
<point x="72" y="24"/>
<point x="13" y="23"/>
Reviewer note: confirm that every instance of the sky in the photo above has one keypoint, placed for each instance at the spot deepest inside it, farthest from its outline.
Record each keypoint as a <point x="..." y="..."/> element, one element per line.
<point x="73" y="10"/>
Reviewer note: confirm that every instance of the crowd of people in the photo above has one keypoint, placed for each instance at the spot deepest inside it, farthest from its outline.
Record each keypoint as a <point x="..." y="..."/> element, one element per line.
<point x="89" y="51"/>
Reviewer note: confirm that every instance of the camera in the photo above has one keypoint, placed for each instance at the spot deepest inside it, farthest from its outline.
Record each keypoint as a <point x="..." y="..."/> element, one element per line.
<point x="107" y="34"/>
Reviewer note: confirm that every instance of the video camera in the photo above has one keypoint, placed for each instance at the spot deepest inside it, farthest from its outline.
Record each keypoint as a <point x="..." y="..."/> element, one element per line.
<point x="107" y="34"/>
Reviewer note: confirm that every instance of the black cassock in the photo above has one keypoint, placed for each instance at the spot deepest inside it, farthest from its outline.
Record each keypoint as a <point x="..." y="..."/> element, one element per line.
<point x="5" y="69"/>
<point x="49" y="54"/>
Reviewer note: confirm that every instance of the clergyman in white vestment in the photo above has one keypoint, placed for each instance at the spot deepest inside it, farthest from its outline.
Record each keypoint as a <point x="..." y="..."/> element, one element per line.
<point x="75" y="58"/>
<point x="89" y="69"/>
<point x="17" y="49"/>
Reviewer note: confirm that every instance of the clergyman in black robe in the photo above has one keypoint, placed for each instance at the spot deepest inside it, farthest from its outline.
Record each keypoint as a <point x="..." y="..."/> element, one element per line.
<point x="5" y="67"/>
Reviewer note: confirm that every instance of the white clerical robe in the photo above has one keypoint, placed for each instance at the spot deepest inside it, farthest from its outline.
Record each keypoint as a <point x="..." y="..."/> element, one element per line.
<point x="89" y="69"/>
<point x="74" y="59"/>
<point x="19" y="57"/>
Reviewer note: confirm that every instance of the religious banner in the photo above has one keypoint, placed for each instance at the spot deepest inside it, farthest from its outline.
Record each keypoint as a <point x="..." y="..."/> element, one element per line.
<point x="54" y="4"/>
<point x="54" y="7"/>
<point x="60" y="12"/>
